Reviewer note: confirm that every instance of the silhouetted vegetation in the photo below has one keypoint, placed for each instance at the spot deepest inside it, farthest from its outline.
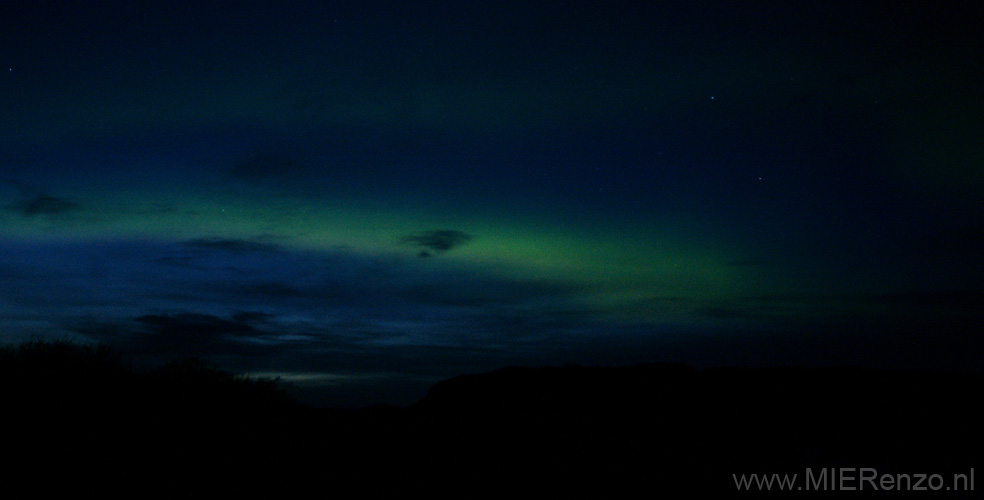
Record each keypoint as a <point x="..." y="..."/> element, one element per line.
<point x="668" y="428"/>
<point x="61" y="374"/>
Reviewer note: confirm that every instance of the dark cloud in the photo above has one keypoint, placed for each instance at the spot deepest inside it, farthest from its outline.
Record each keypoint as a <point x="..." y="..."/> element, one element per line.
<point x="437" y="240"/>
<point x="194" y="324"/>
<point x="43" y="204"/>
<point x="153" y="339"/>
<point x="234" y="245"/>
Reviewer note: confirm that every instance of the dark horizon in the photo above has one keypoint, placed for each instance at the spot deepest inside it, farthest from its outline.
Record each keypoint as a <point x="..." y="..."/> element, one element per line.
<point x="365" y="198"/>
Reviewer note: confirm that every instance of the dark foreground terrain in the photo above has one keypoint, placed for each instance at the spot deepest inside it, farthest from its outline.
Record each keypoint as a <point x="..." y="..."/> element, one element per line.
<point x="78" y="419"/>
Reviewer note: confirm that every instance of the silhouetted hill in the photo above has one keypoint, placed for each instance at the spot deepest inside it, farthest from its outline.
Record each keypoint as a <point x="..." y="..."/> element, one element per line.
<point x="679" y="428"/>
<point x="669" y="429"/>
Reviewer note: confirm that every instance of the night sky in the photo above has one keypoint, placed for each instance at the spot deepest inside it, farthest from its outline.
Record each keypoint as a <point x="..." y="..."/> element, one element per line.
<point x="363" y="198"/>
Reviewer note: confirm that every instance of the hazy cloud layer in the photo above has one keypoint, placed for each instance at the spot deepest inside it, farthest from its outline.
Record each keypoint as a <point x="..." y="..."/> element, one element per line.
<point x="273" y="310"/>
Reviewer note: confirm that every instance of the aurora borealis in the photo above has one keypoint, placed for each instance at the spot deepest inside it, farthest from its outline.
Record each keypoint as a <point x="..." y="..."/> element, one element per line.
<point x="365" y="197"/>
